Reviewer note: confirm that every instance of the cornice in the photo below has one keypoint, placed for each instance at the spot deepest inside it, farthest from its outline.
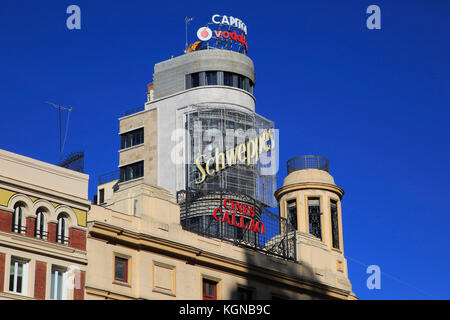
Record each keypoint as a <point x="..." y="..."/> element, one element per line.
<point x="309" y="185"/>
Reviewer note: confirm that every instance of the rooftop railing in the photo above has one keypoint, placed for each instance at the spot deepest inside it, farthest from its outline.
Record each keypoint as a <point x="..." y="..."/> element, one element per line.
<point x="134" y="110"/>
<point x="110" y="176"/>
<point x="307" y="162"/>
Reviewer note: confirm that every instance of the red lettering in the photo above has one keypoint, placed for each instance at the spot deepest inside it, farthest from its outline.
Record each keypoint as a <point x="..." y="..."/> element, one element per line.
<point x="215" y="213"/>
<point x="252" y="211"/>
<point x="252" y="225"/>
<point x="239" y="222"/>
<point x="225" y="204"/>
<point x="234" y="36"/>
<point x="226" y="216"/>
<point x="260" y="227"/>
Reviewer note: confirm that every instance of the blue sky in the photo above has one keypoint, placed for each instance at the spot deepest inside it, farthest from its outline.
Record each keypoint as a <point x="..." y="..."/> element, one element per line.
<point x="374" y="102"/>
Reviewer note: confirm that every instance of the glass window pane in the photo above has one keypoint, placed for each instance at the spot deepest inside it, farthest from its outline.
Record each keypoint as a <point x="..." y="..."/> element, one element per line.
<point x="228" y="79"/>
<point x="16" y="276"/>
<point x="57" y="284"/>
<point x="292" y="213"/>
<point x="52" y="285"/>
<point x="315" y="227"/>
<point x="240" y="82"/>
<point x="334" y="224"/>
<point x="132" y="171"/>
<point x="11" y="277"/>
<point x="211" y="290"/>
<point x="120" y="272"/>
<point x="188" y="81"/>
<point x="195" y="80"/>
<point x="60" y="286"/>
<point x="211" y="78"/>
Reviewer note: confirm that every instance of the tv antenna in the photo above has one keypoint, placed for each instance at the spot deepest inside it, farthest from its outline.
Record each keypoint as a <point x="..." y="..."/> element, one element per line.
<point x="61" y="144"/>
<point x="187" y="20"/>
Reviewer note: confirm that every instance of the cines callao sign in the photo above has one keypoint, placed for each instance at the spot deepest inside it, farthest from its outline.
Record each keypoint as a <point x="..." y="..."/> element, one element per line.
<point x="239" y="215"/>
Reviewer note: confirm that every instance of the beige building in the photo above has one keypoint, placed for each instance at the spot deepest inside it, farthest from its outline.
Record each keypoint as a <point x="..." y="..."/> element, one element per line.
<point x="142" y="252"/>
<point x="43" y="214"/>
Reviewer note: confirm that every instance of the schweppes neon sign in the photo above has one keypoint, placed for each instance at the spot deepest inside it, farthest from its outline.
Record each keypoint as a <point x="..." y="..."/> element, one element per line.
<point x="245" y="153"/>
<point x="239" y="215"/>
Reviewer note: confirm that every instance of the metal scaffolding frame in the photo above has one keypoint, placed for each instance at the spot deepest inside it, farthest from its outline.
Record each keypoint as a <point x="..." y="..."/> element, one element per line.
<point x="245" y="179"/>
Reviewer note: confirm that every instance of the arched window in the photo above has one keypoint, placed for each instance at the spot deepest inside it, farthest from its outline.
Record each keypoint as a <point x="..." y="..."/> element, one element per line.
<point x="62" y="231"/>
<point x="39" y="229"/>
<point x="18" y="218"/>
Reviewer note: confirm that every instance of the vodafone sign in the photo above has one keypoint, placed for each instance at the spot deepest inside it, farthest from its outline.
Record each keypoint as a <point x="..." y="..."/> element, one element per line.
<point x="232" y="35"/>
<point x="229" y="34"/>
<point x="204" y="33"/>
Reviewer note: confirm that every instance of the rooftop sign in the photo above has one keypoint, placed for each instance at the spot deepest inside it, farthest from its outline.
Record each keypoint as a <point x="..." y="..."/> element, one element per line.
<point x="231" y="21"/>
<point x="223" y="32"/>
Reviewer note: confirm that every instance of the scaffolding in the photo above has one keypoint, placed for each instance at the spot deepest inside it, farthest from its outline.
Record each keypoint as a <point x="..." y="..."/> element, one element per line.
<point x="212" y="128"/>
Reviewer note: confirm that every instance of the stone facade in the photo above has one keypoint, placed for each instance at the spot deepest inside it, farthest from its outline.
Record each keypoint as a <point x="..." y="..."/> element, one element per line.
<point x="57" y="198"/>
<point x="167" y="262"/>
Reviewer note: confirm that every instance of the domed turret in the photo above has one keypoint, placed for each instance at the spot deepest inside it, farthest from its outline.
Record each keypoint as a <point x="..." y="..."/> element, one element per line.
<point x="310" y="200"/>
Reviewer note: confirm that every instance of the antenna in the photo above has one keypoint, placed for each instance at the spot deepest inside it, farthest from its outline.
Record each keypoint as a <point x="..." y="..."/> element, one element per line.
<point x="187" y="20"/>
<point x="59" y="107"/>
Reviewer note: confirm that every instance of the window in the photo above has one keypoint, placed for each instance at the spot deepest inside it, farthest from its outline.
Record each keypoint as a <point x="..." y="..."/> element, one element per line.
<point x="101" y="195"/>
<point x="245" y="294"/>
<point x="211" y="78"/>
<point x="120" y="269"/>
<point x="58" y="284"/>
<point x="292" y="213"/>
<point x="228" y="79"/>
<point x="132" y="171"/>
<point x="247" y="84"/>
<point x="18" y="276"/>
<point x="314" y="214"/>
<point x="195" y="80"/>
<point x="61" y="231"/>
<point x="209" y="290"/>
<point x="39" y="229"/>
<point x="18" y="218"/>
<point x="240" y="82"/>
<point x="132" y="138"/>
<point x="334" y="224"/>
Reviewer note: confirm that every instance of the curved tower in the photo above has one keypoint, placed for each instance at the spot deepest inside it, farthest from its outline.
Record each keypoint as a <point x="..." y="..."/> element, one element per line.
<point x="199" y="137"/>
<point x="311" y="201"/>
